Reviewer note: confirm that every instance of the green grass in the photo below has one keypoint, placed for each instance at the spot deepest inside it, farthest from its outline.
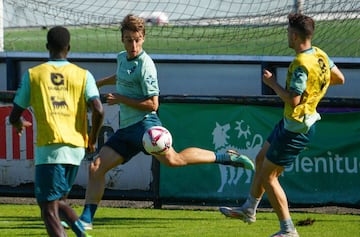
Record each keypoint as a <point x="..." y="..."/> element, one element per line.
<point x="24" y="220"/>
<point x="338" y="38"/>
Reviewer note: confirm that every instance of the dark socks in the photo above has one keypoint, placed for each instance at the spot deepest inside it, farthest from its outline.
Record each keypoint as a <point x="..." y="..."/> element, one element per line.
<point x="88" y="212"/>
<point x="222" y="158"/>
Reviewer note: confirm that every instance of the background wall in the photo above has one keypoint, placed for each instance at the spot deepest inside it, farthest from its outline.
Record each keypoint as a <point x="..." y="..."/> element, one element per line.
<point x="204" y="79"/>
<point x="189" y="74"/>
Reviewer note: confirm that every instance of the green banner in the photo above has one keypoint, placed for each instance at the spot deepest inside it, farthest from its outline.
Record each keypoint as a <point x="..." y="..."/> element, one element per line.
<point x="326" y="172"/>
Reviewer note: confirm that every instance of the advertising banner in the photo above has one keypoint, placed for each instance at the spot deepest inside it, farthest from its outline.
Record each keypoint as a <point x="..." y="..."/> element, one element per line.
<point x="17" y="155"/>
<point x="326" y="172"/>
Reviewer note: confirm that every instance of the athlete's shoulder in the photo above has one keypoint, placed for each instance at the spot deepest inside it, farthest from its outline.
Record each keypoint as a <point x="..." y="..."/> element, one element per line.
<point x="41" y="65"/>
<point x="318" y="50"/>
<point x="307" y="55"/>
<point x="319" y="53"/>
<point x="146" y="59"/>
<point x="121" y="55"/>
<point x="146" y="56"/>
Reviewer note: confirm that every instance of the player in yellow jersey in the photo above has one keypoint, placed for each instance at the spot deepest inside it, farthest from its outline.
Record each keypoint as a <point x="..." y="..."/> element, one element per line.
<point x="59" y="93"/>
<point x="308" y="78"/>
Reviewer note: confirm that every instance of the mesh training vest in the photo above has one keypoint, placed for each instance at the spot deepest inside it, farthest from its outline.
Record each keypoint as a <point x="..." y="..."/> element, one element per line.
<point x="318" y="68"/>
<point x="57" y="97"/>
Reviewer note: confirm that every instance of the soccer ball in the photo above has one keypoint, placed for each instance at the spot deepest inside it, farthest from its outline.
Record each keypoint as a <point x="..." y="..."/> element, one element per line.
<point x="155" y="18"/>
<point x="157" y="140"/>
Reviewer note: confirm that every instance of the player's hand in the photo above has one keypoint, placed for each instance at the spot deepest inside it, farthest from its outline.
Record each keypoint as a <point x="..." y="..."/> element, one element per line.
<point x="268" y="78"/>
<point x="91" y="148"/>
<point x="21" y="125"/>
<point x="90" y="152"/>
<point x="113" y="99"/>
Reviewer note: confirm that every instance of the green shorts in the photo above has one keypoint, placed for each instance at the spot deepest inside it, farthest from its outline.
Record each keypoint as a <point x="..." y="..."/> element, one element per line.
<point x="54" y="181"/>
<point x="285" y="146"/>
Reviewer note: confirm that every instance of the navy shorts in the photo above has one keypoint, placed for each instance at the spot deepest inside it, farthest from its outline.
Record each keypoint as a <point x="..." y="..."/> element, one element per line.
<point x="127" y="142"/>
<point x="285" y="146"/>
<point x="54" y="181"/>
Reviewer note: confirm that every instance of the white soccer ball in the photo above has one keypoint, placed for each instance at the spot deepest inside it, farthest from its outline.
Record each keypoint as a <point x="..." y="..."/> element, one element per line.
<point x="155" y="18"/>
<point x="157" y="140"/>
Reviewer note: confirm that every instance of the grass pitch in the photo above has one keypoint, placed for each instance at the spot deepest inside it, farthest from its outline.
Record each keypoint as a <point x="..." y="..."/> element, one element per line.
<point x="24" y="220"/>
<point x="337" y="38"/>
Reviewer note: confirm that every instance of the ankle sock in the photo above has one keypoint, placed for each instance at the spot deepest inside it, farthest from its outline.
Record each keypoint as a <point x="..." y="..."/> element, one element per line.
<point x="287" y="225"/>
<point x="222" y="158"/>
<point x="251" y="204"/>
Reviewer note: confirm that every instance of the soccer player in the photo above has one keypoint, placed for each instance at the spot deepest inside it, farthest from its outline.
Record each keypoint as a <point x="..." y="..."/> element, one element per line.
<point x="138" y="98"/>
<point x="308" y="78"/>
<point x="59" y="93"/>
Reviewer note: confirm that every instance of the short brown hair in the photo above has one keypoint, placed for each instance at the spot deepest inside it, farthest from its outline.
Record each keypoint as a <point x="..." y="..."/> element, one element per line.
<point x="304" y="25"/>
<point x="133" y="23"/>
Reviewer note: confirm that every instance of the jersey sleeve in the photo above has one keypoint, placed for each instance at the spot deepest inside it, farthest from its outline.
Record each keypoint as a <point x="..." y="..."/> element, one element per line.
<point x="150" y="85"/>
<point x="22" y="97"/>
<point x="91" y="90"/>
<point x="298" y="80"/>
<point x="331" y="63"/>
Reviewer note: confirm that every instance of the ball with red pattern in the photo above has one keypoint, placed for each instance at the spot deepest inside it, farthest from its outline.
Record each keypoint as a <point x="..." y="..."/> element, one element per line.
<point x="157" y="140"/>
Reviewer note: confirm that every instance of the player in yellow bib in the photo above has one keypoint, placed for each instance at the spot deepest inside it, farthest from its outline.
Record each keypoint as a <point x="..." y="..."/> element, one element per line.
<point x="61" y="105"/>
<point x="59" y="93"/>
<point x="308" y="78"/>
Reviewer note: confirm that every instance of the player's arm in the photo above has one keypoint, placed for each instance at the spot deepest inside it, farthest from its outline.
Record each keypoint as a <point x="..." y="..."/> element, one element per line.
<point x="290" y="97"/>
<point x="148" y="104"/>
<point x="16" y="121"/>
<point x="21" y="102"/>
<point x="92" y="96"/>
<point x="337" y="77"/>
<point x="110" y="80"/>
<point x="97" y="117"/>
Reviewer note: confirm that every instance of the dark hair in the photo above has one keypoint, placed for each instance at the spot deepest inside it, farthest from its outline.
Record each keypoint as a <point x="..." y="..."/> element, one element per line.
<point x="58" y="38"/>
<point x="133" y="23"/>
<point x="304" y="25"/>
